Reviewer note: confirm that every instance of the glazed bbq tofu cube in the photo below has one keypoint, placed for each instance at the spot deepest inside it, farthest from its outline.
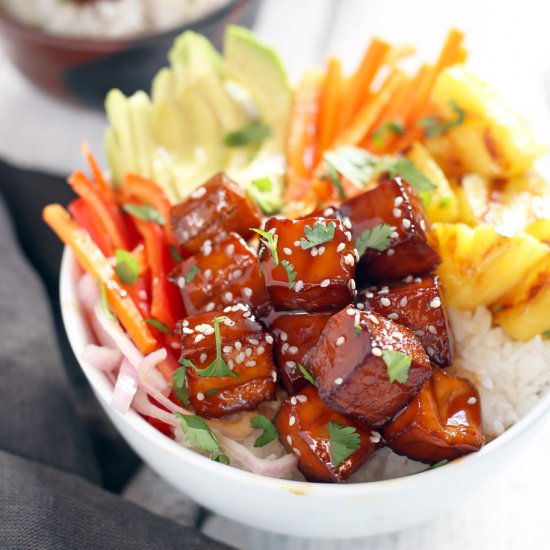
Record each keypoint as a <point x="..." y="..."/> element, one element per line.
<point x="237" y="353"/>
<point x="211" y="212"/>
<point x="295" y="334"/>
<point x="329" y="446"/>
<point x="416" y="303"/>
<point x="314" y="264"/>
<point x="219" y="275"/>
<point x="391" y="231"/>
<point x="367" y="366"/>
<point x="441" y="423"/>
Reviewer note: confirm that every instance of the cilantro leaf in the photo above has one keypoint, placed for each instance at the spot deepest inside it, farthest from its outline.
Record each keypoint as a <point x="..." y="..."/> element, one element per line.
<point x="332" y="175"/>
<point x="264" y="184"/>
<point x="306" y="374"/>
<point x="358" y="329"/>
<point x="192" y="273"/>
<point x="179" y="382"/>
<point x="264" y="191"/>
<point x="546" y="333"/>
<point x="270" y="432"/>
<point x="199" y="434"/>
<point x="126" y="267"/>
<point x="318" y="234"/>
<point x="289" y="268"/>
<point x="256" y="132"/>
<point x="434" y="466"/>
<point x="395" y="127"/>
<point x="144" y="212"/>
<point x="269" y="240"/>
<point x="174" y="252"/>
<point x="434" y="127"/>
<point x="218" y="367"/>
<point x="344" y="441"/>
<point x="444" y="202"/>
<point x="104" y="303"/>
<point x="398" y="365"/>
<point x="377" y="238"/>
<point x="159" y="325"/>
<point x="405" y="169"/>
<point x="212" y="392"/>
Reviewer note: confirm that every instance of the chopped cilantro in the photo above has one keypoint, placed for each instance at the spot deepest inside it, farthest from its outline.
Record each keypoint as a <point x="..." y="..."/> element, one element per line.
<point x="306" y="374"/>
<point x="444" y="202"/>
<point x="358" y="329"/>
<point x="319" y="234"/>
<point x="344" y="441"/>
<point x="104" y="303"/>
<point x="289" y="268"/>
<point x="438" y="464"/>
<point x="199" y="434"/>
<point x="546" y="333"/>
<point x="377" y="238"/>
<point x="218" y="367"/>
<point x="174" y="252"/>
<point x="395" y="127"/>
<point x="434" y="127"/>
<point x="144" y="212"/>
<point x="332" y="176"/>
<point x="159" y="325"/>
<point x="192" y="273"/>
<point x="179" y="382"/>
<point x="398" y="365"/>
<point x="126" y="266"/>
<point x="256" y="132"/>
<point x="212" y="392"/>
<point x="263" y="184"/>
<point x="404" y="168"/>
<point x="269" y="240"/>
<point x="270" y="432"/>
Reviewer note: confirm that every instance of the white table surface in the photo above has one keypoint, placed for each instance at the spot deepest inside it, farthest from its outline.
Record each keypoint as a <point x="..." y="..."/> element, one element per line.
<point x="509" y="43"/>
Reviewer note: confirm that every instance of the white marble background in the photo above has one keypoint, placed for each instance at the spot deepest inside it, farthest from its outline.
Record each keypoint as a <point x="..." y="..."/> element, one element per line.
<point x="509" y="43"/>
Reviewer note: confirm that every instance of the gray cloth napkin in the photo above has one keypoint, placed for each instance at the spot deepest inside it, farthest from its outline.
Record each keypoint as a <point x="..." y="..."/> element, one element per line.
<point x="50" y="493"/>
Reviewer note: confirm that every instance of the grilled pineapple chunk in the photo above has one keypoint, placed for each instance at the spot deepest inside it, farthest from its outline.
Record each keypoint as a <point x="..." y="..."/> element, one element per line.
<point x="540" y="230"/>
<point x="443" y="206"/>
<point x="523" y="313"/>
<point x="479" y="266"/>
<point x="493" y="141"/>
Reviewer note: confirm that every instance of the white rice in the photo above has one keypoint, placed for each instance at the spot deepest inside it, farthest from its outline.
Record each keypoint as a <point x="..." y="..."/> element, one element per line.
<point x="108" y="18"/>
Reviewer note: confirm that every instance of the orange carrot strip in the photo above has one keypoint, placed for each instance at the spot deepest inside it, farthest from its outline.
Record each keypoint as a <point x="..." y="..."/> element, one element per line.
<point x="329" y="104"/>
<point x="364" y="121"/>
<point x="359" y="87"/>
<point x="102" y="183"/>
<point x="109" y="216"/>
<point x="94" y="262"/>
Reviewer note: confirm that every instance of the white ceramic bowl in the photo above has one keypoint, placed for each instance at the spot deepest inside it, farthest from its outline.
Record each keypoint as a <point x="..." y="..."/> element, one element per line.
<point x="292" y="507"/>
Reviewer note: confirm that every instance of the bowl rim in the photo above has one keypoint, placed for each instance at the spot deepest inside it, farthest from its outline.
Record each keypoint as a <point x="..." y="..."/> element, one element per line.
<point x="77" y="330"/>
<point x="102" y="45"/>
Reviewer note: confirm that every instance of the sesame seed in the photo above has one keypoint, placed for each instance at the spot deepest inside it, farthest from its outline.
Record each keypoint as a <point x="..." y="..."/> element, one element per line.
<point x="328" y="212"/>
<point x="408" y="279"/>
<point x="325" y="283"/>
<point x="207" y="274"/>
<point x="339" y="381"/>
<point x="314" y="252"/>
<point x="198" y="338"/>
<point x="247" y="314"/>
<point x="237" y="274"/>
<point x="260" y="350"/>
<point x="210" y="306"/>
<point x="228" y="322"/>
<point x="293" y="350"/>
<point x="404" y="301"/>
<point x="186" y="330"/>
<point x="298" y="286"/>
<point x="200" y="396"/>
<point x="420" y="333"/>
<point x="423" y="225"/>
<point x="296" y="451"/>
<point x="369" y="295"/>
<point x="228" y="296"/>
<point x="393" y="316"/>
<point x="385" y="301"/>
<point x="292" y="421"/>
<point x="377" y="352"/>
<point x="350" y="311"/>
<point x="250" y="364"/>
<point x="398" y="201"/>
<point x="396" y="213"/>
<point x="347" y="223"/>
<point x="240" y="358"/>
<point x="205" y="329"/>
<point x="471" y="401"/>
<point x="283" y="336"/>
<point x="253" y="341"/>
<point x="185" y="323"/>
<point x="435" y="303"/>
<point x="349" y="259"/>
<point x="238" y="346"/>
<point x="432" y="329"/>
<point x="390" y="252"/>
<point x="375" y="437"/>
<point x="289" y="439"/>
<point x="406" y="223"/>
<point x="349" y="236"/>
<point x="351" y="284"/>
<point x="384" y="290"/>
<point x="230" y="364"/>
<point x="373" y="319"/>
<point x="394" y="235"/>
<point x="302" y="398"/>
<point x="269" y="339"/>
<point x="180" y="281"/>
<point x="247" y="292"/>
<point x="287" y="251"/>
<point x="274" y="375"/>
<point x="340" y="247"/>
<point x="321" y="250"/>
<point x="227" y="349"/>
<point x="230" y="250"/>
<point x="293" y="401"/>
<point x="203" y="357"/>
<point x="360" y="306"/>
<point x="291" y="365"/>
<point x="248" y="352"/>
<point x="198" y="193"/>
<point x="418" y="280"/>
<point x="430" y="351"/>
<point x="340" y="340"/>
<point x="296" y="243"/>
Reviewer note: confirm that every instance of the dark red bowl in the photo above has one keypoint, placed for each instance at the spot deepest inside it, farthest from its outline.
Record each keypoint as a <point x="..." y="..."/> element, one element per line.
<point x="84" y="70"/>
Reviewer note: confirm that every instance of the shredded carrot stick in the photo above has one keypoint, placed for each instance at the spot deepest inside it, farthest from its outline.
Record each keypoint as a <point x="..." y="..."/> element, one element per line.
<point x="329" y="105"/>
<point x="146" y="191"/>
<point x="99" y="178"/>
<point x="397" y="53"/>
<point x="364" y="121"/>
<point x="360" y="84"/>
<point x="94" y="262"/>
